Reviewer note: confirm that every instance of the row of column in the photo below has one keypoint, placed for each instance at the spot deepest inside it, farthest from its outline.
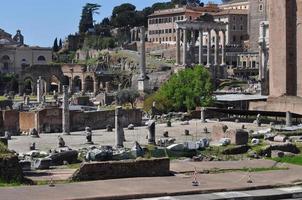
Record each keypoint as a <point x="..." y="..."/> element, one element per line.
<point x="200" y="54"/>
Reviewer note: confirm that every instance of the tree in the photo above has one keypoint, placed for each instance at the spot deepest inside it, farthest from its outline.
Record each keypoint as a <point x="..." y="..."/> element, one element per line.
<point x="60" y="44"/>
<point x="55" y="46"/>
<point x="124" y="15"/>
<point x="185" y="91"/>
<point x="127" y="96"/>
<point x="86" y="21"/>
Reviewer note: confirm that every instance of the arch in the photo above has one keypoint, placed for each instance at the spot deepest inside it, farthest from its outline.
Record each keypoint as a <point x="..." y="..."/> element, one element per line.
<point x="54" y="84"/>
<point x="28" y="85"/>
<point x="41" y="58"/>
<point x="77" y="84"/>
<point x="89" y="84"/>
<point x="6" y="62"/>
<point x="5" y="58"/>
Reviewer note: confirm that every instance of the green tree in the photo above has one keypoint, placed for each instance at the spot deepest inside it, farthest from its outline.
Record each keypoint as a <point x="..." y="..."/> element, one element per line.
<point x="60" y="44"/>
<point x="124" y="15"/>
<point x="185" y="91"/>
<point x="55" y="46"/>
<point x="127" y="96"/>
<point x="86" y="21"/>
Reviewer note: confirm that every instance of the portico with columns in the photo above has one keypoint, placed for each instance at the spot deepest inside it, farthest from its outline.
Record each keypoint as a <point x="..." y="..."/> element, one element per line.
<point x="213" y="59"/>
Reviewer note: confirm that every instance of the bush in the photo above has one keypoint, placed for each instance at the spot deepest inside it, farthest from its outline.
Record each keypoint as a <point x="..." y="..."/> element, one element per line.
<point x="184" y="91"/>
<point x="127" y="96"/>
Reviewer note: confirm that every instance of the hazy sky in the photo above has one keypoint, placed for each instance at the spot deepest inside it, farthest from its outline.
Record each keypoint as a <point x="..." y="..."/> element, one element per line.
<point x="43" y="20"/>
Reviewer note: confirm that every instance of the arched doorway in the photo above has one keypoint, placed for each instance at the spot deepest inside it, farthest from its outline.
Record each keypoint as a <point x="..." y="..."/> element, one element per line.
<point x="77" y="84"/>
<point x="55" y="84"/>
<point x="89" y="84"/>
<point x="28" y="87"/>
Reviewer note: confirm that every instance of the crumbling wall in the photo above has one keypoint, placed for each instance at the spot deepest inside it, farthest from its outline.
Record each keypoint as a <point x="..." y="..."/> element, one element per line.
<point x="100" y="119"/>
<point x="26" y="121"/>
<point x="122" y="169"/>
<point x="11" y="121"/>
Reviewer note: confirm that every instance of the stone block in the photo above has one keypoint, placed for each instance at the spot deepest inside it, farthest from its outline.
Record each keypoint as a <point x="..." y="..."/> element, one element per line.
<point x="42" y="163"/>
<point x="218" y="132"/>
<point x="237" y="136"/>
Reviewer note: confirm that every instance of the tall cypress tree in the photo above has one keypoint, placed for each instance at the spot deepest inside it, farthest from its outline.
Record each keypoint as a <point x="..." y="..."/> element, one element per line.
<point x="55" y="46"/>
<point x="60" y="44"/>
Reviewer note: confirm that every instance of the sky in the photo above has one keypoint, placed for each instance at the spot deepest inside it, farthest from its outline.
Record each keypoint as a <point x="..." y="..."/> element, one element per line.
<point x="41" y="21"/>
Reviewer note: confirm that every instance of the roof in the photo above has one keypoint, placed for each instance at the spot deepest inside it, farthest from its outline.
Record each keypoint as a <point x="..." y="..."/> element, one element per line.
<point x="235" y="1"/>
<point x="231" y="12"/>
<point x="240" y="97"/>
<point x="208" y="8"/>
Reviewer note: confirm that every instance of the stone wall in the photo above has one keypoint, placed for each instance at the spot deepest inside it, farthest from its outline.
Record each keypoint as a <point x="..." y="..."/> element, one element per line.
<point x="50" y="120"/>
<point x="122" y="169"/>
<point x="11" y="121"/>
<point x="26" y="121"/>
<point x="100" y="119"/>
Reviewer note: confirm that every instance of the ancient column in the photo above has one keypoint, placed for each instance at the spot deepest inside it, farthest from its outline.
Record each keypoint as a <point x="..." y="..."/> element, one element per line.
<point x="70" y="85"/>
<point x="216" y="48"/>
<point x="200" y="54"/>
<point x="83" y="85"/>
<point x="289" y="119"/>
<point x="184" y="54"/>
<point x="151" y="133"/>
<point x="119" y="131"/>
<point x="95" y="86"/>
<point x="223" y="43"/>
<point x="143" y="54"/>
<point x="177" y="46"/>
<point x="65" y="112"/>
<point x="209" y="49"/>
<point x="202" y="115"/>
<point x="143" y="79"/>
<point x="193" y="36"/>
<point x="107" y="85"/>
<point x="39" y="90"/>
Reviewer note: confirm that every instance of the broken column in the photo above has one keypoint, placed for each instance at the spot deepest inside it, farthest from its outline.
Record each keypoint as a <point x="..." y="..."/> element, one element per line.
<point x="39" y="90"/>
<point x="107" y="85"/>
<point x="289" y="119"/>
<point x="119" y="131"/>
<point x="151" y="133"/>
<point x="65" y="112"/>
<point x="202" y="115"/>
<point x="143" y="79"/>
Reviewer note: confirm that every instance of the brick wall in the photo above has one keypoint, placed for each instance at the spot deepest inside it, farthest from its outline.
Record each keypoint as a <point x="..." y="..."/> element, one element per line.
<point x="100" y="119"/>
<point x="26" y="121"/>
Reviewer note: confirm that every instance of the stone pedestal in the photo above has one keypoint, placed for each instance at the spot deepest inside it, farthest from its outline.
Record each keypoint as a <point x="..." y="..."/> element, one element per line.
<point x="143" y="85"/>
<point x="289" y="119"/>
<point x="151" y="134"/>
<point x="65" y="112"/>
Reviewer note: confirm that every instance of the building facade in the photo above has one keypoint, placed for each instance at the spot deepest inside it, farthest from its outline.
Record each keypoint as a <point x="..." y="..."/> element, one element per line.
<point x="15" y="56"/>
<point x="235" y="5"/>
<point x="162" y="23"/>
<point x="237" y="24"/>
<point x="258" y="12"/>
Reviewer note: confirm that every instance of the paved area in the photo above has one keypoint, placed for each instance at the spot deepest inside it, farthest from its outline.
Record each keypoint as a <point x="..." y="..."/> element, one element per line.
<point x="133" y="188"/>
<point x="186" y="166"/>
<point x="102" y="137"/>
<point x="278" y="193"/>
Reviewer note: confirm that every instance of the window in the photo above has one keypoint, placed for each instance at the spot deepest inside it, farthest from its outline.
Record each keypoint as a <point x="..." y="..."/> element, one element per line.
<point x="41" y="58"/>
<point x="234" y="38"/>
<point x="261" y="7"/>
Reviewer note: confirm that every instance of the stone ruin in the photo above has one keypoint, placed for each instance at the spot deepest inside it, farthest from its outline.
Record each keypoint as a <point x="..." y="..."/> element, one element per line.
<point x="236" y="136"/>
